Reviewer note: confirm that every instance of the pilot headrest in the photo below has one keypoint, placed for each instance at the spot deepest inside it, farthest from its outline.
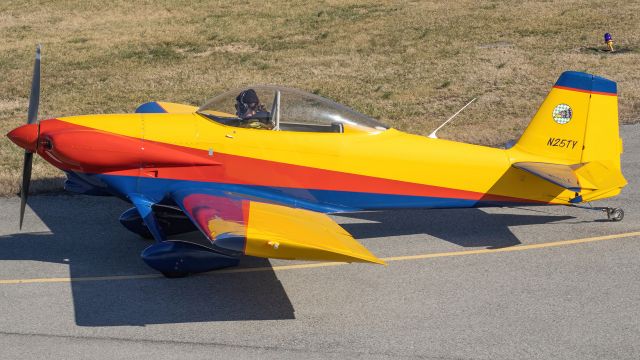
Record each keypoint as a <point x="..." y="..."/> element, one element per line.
<point x="248" y="97"/>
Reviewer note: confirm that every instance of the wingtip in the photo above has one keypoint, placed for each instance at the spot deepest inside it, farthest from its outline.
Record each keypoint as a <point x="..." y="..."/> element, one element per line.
<point x="371" y="259"/>
<point x="363" y="256"/>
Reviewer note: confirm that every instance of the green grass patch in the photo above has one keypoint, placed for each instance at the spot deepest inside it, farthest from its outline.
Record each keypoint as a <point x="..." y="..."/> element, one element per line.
<point x="408" y="64"/>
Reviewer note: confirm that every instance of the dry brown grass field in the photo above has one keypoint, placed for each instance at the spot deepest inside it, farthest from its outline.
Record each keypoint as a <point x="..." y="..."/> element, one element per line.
<point x="410" y="64"/>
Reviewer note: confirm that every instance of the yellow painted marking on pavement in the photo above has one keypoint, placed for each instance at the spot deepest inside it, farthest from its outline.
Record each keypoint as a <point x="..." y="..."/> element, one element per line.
<point x="515" y="248"/>
<point x="78" y="279"/>
<point x="327" y="264"/>
<point x="281" y="267"/>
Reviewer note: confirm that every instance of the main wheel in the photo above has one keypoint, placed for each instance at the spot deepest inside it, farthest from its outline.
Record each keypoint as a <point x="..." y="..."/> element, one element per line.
<point x="616" y="214"/>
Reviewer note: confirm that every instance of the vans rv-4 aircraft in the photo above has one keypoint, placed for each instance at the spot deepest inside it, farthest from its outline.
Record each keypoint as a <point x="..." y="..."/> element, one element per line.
<point x="257" y="170"/>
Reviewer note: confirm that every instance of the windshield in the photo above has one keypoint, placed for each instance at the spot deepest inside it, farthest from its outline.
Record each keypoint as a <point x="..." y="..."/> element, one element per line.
<point x="257" y="107"/>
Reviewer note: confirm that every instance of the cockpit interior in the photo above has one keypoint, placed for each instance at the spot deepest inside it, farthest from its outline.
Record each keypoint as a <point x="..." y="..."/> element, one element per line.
<point x="278" y="108"/>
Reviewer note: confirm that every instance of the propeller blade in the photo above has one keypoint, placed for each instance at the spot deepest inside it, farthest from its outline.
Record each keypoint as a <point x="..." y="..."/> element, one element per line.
<point x="26" y="180"/>
<point x="34" y="98"/>
<point x="32" y="117"/>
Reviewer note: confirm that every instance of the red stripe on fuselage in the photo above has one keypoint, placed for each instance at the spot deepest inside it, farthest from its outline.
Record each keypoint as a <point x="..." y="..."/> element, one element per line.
<point x="250" y="171"/>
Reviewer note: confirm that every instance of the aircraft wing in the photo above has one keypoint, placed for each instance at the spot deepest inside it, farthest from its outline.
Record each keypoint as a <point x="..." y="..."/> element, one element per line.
<point x="239" y="225"/>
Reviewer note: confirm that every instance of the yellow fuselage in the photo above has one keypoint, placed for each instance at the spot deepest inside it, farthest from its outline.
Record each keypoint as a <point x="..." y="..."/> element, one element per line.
<point x="351" y="170"/>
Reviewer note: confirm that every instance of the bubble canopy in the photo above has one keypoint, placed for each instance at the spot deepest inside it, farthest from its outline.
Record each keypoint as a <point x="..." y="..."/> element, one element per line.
<point x="297" y="111"/>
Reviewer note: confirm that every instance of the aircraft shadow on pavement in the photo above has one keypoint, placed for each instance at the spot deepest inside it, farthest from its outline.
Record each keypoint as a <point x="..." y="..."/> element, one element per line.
<point x="86" y="235"/>
<point x="463" y="227"/>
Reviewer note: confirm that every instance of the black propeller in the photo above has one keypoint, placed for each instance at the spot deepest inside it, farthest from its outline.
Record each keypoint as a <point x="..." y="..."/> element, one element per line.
<point x="32" y="117"/>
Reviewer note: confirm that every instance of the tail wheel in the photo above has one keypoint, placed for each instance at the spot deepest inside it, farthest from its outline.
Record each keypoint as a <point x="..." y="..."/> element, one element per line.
<point x="616" y="214"/>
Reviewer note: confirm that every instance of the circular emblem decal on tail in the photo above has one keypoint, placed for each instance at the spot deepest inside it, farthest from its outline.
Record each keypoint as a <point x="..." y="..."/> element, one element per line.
<point x="562" y="114"/>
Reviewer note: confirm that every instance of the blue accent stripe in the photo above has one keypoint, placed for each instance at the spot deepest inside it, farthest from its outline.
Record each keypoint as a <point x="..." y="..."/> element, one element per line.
<point x="326" y="201"/>
<point x="150" y="107"/>
<point x="586" y="82"/>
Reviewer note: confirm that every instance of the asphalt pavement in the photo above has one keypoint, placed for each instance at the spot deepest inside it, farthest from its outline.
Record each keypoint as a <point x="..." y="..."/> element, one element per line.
<point x="499" y="283"/>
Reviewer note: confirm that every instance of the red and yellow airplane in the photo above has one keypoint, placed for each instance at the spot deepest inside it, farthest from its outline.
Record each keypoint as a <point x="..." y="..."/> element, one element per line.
<point x="258" y="177"/>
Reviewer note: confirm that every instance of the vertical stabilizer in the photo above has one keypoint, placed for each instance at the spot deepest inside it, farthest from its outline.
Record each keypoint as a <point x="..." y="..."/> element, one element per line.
<point x="574" y="138"/>
<point x="577" y="122"/>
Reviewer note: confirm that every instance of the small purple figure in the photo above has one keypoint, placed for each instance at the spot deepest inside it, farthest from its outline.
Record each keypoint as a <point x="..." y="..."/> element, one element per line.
<point x="609" y="41"/>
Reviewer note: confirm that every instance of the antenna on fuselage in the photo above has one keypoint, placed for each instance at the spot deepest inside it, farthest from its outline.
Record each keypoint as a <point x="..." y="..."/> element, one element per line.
<point x="433" y="134"/>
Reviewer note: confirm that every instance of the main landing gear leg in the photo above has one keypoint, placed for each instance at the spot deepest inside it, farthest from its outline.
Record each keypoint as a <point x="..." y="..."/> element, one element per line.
<point x="613" y="214"/>
<point x="175" y="259"/>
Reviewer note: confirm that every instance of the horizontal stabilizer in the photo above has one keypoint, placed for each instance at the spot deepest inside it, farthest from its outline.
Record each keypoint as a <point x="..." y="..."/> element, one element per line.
<point x="594" y="175"/>
<point x="559" y="174"/>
